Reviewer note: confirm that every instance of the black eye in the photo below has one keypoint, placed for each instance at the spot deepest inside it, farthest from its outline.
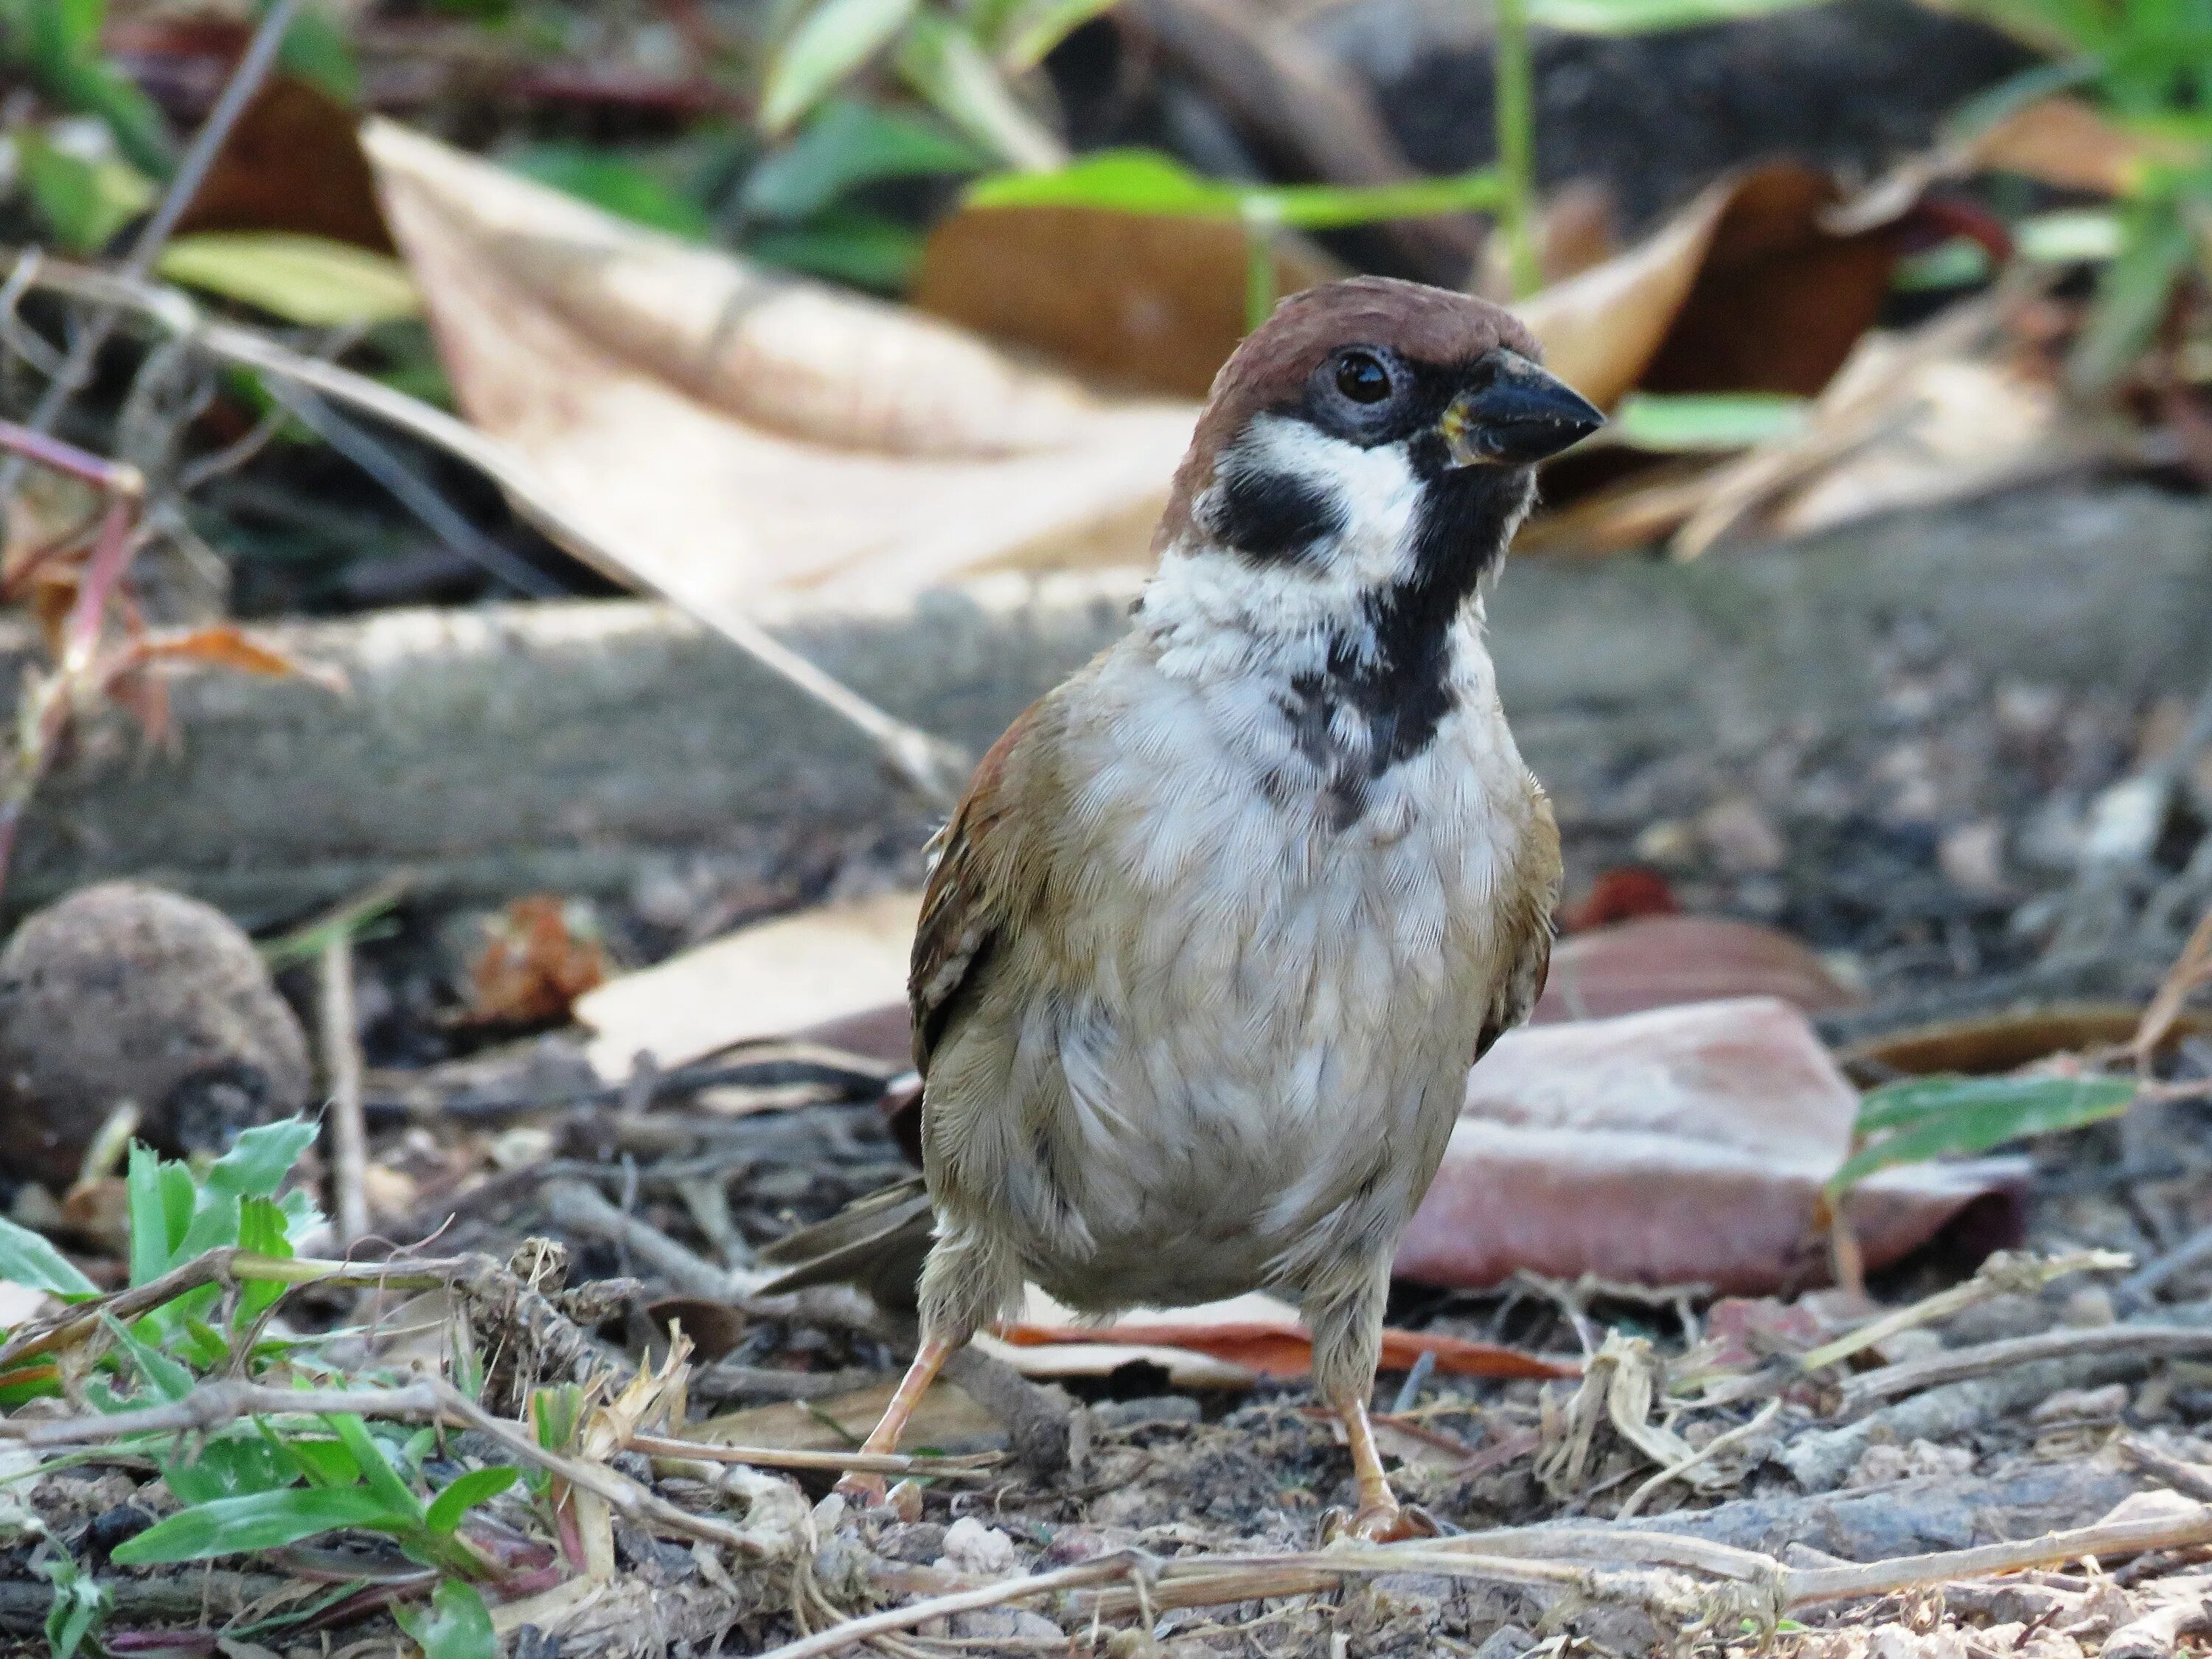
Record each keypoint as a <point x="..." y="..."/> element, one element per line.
<point x="1362" y="378"/>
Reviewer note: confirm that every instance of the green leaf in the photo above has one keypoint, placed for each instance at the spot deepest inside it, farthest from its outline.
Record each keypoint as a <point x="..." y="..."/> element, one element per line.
<point x="831" y="41"/>
<point x="1957" y="262"/>
<point x="86" y="200"/>
<point x="857" y="248"/>
<point x="1145" y="181"/>
<point x="147" y="1207"/>
<point x="476" y="1486"/>
<point x="263" y="1230"/>
<point x="620" y="186"/>
<point x="28" y="1258"/>
<point x="2069" y="236"/>
<point x="235" y="1464"/>
<point x="2132" y="296"/>
<point x="256" y="1163"/>
<point x="255" y="1521"/>
<point x="317" y="50"/>
<point x="849" y="143"/>
<point x="1923" y="1118"/>
<point x="455" y="1625"/>
<point x="79" y="1602"/>
<point x="1647" y="16"/>
<point x="942" y="62"/>
<point x="309" y="280"/>
<point x="324" y="1463"/>
<point x="166" y="1376"/>
<point x="1690" y="422"/>
<point x="397" y="1497"/>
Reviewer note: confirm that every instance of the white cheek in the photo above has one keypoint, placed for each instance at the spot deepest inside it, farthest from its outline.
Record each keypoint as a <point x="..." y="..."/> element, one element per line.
<point x="1381" y="495"/>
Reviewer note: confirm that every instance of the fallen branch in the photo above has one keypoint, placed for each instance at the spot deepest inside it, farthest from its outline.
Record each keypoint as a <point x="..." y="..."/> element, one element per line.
<point x="933" y="767"/>
<point x="1755" y="1585"/>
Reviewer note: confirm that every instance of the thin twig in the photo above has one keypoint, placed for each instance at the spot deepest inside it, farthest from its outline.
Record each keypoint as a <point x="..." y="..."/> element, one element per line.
<point x="786" y="1457"/>
<point x="1957" y="1364"/>
<point x="253" y="67"/>
<point x="340" y="1026"/>
<point x="2003" y="1273"/>
<point x="2190" y="1479"/>
<point x="1806" y="1585"/>
<point x="932" y="767"/>
<point x="400" y="482"/>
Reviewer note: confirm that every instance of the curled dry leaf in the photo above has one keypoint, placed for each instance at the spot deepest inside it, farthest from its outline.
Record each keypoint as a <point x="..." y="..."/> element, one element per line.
<point x="1226" y="1345"/>
<point x="2060" y="140"/>
<point x="1148" y="301"/>
<point x="1683" y="1146"/>
<point x="1744" y="290"/>
<point x="730" y="431"/>
<point x="1987" y="1045"/>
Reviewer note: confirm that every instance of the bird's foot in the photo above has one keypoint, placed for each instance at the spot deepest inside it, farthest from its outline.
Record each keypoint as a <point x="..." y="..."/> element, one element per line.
<point x="865" y="1492"/>
<point x="1386" y="1522"/>
<point x="868" y="1492"/>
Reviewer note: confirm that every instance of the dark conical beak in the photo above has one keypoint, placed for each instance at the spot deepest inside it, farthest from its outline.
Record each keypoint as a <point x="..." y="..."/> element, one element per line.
<point x="1522" y="414"/>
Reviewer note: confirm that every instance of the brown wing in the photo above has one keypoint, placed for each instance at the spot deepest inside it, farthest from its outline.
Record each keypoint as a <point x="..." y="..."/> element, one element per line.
<point x="976" y="888"/>
<point x="1527" y="926"/>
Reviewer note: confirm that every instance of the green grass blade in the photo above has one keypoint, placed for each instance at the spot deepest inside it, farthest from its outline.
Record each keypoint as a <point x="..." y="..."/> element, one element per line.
<point x="259" y="1521"/>
<point x="833" y="41"/>
<point x="476" y="1486"/>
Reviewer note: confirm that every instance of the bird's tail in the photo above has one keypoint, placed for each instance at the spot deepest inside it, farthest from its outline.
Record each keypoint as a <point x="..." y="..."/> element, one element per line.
<point x="877" y="1242"/>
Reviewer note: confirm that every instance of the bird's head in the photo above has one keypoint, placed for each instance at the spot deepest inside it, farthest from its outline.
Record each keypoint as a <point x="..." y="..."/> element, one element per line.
<point x="1369" y="436"/>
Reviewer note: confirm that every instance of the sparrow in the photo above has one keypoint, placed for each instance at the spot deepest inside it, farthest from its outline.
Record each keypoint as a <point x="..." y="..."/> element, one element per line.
<point x="1221" y="923"/>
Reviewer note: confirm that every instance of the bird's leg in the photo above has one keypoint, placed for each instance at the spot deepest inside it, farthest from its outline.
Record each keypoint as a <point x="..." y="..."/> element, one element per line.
<point x="1380" y="1518"/>
<point x="1346" y="1321"/>
<point x="884" y="1438"/>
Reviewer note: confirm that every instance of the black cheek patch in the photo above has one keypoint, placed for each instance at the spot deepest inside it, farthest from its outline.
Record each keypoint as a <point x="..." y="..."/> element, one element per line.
<point x="1269" y="516"/>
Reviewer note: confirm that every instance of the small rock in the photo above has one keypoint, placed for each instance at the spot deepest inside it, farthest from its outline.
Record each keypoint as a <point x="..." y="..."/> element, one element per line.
<point x="1908" y="1345"/>
<point x="2089" y="1308"/>
<point x="1005" y="1625"/>
<point x="125" y="992"/>
<point x="2103" y="1405"/>
<point x="971" y="1547"/>
<point x="1506" y="1642"/>
<point x="1742" y="836"/>
<point x="918" y="1542"/>
<point x="1973" y="856"/>
<point x="1885" y="1461"/>
<point x="1178" y="1408"/>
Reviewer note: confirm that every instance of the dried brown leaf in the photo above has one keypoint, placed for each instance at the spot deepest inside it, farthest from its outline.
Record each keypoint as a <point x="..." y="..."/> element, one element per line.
<point x="1683" y="1146"/>
<point x="732" y="432"/>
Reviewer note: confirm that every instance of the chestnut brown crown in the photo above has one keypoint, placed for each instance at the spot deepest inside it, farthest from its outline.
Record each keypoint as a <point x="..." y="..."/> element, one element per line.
<point x="1331" y="354"/>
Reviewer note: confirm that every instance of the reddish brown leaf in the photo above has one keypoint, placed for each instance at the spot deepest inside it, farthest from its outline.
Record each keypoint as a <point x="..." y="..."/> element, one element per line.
<point x="1660" y="962"/>
<point x="1685" y="1146"/>
<point x="534" y="967"/>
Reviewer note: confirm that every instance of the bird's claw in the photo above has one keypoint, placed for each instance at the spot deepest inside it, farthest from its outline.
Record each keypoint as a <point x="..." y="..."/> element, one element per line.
<point x="1388" y="1522"/>
<point x="866" y="1491"/>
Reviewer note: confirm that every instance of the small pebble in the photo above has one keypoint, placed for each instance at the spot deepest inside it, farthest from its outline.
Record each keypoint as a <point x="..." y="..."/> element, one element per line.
<point x="1005" y="1623"/>
<point x="1178" y="1408"/>
<point x="971" y="1547"/>
<point x="2103" y="1405"/>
